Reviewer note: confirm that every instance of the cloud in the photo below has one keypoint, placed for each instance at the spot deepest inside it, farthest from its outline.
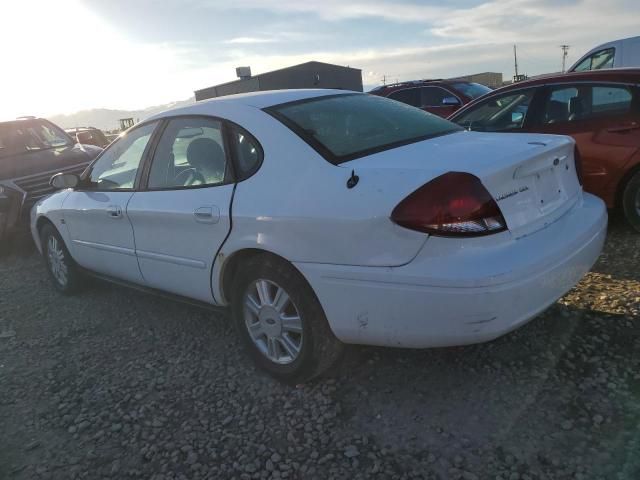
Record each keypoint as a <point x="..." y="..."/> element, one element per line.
<point x="249" y="40"/>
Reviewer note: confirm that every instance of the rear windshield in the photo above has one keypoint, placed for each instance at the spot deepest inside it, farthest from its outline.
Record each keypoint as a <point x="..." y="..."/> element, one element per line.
<point x="347" y="126"/>
<point x="471" y="90"/>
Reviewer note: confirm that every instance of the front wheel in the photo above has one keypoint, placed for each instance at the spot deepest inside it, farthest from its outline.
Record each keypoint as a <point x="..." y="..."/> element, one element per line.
<point x="60" y="266"/>
<point x="281" y="322"/>
<point x="631" y="202"/>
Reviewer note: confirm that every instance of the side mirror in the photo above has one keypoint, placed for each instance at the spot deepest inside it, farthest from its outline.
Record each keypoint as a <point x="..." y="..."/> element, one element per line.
<point x="450" y="102"/>
<point x="64" y="180"/>
<point x="517" y="117"/>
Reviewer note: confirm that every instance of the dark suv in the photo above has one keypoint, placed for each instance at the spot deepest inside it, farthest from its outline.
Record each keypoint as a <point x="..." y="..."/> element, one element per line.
<point x="441" y="97"/>
<point x="31" y="151"/>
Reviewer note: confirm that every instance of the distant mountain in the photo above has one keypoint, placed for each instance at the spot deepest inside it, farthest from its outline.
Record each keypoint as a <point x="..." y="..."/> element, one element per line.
<point x="106" y="119"/>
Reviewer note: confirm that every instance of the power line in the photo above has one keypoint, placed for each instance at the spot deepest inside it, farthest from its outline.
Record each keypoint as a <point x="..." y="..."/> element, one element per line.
<point x="565" y="52"/>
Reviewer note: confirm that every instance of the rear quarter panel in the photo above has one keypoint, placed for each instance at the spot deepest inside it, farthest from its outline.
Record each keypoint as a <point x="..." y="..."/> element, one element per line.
<point x="298" y="206"/>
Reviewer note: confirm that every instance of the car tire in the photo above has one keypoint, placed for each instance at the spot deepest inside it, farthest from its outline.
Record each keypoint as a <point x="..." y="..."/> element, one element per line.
<point x="631" y="201"/>
<point x="61" y="268"/>
<point x="290" y="350"/>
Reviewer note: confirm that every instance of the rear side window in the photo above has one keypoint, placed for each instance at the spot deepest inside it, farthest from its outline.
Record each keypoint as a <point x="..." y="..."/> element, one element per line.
<point x="583" y="102"/>
<point x="248" y="152"/>
<point x="347" y="126"/>
<point x="610" y="100"/>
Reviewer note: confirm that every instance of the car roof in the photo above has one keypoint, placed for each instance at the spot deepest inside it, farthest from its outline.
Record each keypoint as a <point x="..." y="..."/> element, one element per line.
<point x="416" y="83"/>
<point x="18" y="120"/>
<point x="259" y="100"/>
<point x="625" y="75"/>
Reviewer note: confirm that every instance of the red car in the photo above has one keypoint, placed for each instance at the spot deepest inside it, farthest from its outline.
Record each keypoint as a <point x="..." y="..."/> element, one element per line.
<point x="441" y="97"/>
<point x="599" y="109"/>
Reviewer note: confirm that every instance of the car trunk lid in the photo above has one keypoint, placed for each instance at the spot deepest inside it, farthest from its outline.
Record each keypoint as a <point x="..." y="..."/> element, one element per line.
<point x="532" y="177"/>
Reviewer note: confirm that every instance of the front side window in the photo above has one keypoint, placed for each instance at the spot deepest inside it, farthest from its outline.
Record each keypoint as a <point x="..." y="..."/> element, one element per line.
<point x="30" y="135"/>
<point x="597" y="61"/>
<point x="190" y="153"/>
<point x="433" y="96"/>
<point x="559" y="106"/>
<point x="118" y="165"/>
<point x="500" y="113"/>
<point x="347" y="126"/>
<point x="410" y="96"/>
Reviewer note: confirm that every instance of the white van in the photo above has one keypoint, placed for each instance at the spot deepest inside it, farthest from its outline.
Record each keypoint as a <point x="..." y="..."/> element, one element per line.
<point x="615" y="54"/>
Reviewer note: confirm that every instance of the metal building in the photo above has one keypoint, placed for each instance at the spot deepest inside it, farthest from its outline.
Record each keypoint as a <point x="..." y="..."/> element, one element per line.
<point x="305" y="75"/>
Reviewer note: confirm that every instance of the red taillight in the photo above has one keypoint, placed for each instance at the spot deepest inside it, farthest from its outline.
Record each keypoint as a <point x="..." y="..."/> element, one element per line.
<point x="455" y="204"/>
<point x="578" y="163"/>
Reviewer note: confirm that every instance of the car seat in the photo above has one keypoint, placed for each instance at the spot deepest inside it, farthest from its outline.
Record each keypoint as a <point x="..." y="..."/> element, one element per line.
<point x="207" y="157"/>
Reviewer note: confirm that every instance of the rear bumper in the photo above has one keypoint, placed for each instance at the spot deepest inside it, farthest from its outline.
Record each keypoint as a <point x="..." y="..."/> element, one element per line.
<point x="458" y="292"/>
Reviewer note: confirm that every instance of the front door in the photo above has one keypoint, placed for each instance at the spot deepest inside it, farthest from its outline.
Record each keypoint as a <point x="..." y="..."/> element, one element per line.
<point x="439" y="101"/>
<point x="96" y="213"/>
<point x="182" y="218"/>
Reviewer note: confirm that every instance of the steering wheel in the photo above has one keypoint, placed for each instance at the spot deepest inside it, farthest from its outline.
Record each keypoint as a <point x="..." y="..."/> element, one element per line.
<point x="188" y="177"/>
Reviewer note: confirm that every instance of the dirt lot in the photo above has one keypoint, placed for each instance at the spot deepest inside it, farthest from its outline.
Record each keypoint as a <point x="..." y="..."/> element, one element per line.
<point x="118" y="384"/>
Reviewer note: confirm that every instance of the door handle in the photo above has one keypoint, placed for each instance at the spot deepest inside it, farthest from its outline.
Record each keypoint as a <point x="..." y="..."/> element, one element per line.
<point x="207" y="214"/>
<point x="114" y="211"/>
<point x="624" y="128"/>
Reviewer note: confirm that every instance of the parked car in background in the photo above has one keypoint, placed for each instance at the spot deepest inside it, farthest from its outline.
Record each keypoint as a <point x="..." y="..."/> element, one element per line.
<point x="616" y="54"/>
<point x="89" y="136"/>
<point x="325" y="216"/>
<point x="441" y="97"/>
<point x="31" y="151"/>
<point x="599" y="109"/>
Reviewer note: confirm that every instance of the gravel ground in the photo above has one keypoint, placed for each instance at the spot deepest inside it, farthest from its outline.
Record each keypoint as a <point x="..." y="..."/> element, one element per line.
<point x="118" y="384"/>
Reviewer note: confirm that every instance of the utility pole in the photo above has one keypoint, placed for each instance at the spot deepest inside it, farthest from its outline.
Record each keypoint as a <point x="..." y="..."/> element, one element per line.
<point x="565" y="51"/>
<point x="384" y="79"/>
<point x="515" y="60"/>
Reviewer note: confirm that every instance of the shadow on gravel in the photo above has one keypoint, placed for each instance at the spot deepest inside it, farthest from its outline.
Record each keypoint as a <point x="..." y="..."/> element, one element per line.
<point x="621" y="255"/>
<point x="561" y="387"/>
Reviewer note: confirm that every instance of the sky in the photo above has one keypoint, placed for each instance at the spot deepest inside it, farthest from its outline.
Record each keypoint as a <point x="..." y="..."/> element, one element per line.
<point x="68" y="55"/>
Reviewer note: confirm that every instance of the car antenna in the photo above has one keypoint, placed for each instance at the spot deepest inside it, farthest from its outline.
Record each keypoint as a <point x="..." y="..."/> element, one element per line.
<point x="353" y="179"/>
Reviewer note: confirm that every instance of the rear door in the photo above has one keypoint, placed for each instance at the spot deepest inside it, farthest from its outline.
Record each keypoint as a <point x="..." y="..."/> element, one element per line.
<point x="603" y="120"/>
<point x="183" y="216"/>
<point x="96" y="213"/>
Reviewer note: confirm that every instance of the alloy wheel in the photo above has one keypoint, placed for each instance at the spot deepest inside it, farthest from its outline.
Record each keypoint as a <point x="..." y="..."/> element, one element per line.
<point x="57" y="261"/>
<point x="273" y="321"/>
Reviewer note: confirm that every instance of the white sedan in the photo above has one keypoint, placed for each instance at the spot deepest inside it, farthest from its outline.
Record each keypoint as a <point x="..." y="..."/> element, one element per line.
<point x="326" y="217"/>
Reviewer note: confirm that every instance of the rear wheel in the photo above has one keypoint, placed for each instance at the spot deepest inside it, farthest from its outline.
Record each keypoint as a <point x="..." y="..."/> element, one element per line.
<point x="631" y="201"/>
<point x="62" y="269"/>
<point x="280" y="321"/>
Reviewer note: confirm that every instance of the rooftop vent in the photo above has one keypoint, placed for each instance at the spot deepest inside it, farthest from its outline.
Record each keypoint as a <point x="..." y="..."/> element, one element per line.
<point x="243" y="73"/>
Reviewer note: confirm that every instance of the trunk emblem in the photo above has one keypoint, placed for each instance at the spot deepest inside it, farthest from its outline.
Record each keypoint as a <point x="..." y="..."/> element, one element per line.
<point x="511" y="193"/>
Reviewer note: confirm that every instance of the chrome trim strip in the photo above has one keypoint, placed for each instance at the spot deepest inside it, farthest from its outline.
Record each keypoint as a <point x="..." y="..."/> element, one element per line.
<point x="186" y="262"/>
<point x="106" y="248"/>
